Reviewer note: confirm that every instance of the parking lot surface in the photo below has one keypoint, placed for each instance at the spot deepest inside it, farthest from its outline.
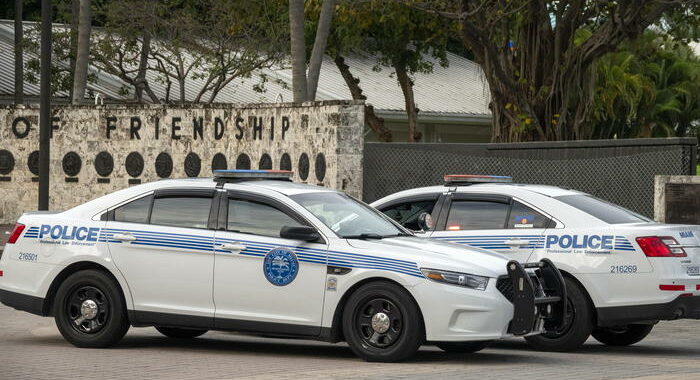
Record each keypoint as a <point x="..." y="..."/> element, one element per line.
<point x="32" y="348"/>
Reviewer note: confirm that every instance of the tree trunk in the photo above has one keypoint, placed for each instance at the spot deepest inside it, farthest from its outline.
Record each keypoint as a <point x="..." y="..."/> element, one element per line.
<point x="555" y="108"/>
<point x="411" y="110"/>
<point x="74" y="17"/>
<point x="82" y="57"/>
<point x="324" y="27"/>
<point x="375" y="122"/>
<point x="182" y="77"/>
<point x="140" y="82"/>
<point x="19" y="54"/>
<point x="298" y="50"/>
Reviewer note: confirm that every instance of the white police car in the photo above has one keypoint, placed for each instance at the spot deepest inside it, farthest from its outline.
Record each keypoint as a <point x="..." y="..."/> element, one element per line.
<point x="251" y="251"/>
<point x="623" y="271"/>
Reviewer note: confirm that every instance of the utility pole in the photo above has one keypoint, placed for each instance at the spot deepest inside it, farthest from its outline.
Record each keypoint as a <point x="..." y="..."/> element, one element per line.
<point x="19" y="54"/>
<point x="45" y="105"/>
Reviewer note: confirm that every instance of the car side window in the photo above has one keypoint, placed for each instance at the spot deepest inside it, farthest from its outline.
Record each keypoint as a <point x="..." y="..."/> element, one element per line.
<point x="407" y="213"/>
<point x="522" y="216"/>
<point x="181" y="211"/>
<point x="477" y="215"/>
<point x="257" y="218"/>
<point x="135" y="211"/>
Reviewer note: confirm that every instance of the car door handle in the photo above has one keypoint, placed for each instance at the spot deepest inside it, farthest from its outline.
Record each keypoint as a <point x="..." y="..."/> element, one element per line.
<point x="233" y="247"/>
<point x="517" y="242"/>
<point x="124" y="237"/>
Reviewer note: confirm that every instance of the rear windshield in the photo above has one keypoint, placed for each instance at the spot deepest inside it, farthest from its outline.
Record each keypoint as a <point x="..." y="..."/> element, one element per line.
<point x="608" y="212"/>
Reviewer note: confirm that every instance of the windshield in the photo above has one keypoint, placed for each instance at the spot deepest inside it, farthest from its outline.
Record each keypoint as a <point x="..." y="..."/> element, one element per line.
<point x="608" y="212"/>
<point x="347" y="217"/>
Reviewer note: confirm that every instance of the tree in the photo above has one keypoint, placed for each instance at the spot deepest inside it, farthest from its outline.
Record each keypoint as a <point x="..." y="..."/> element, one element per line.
<point x="649" y="88"/>
<point x="123" y="47"/>
<point x="305" y="89"/>
<point x="234" y="40"/>
<point x="82" y="58"/>
<point x="405" y="39"/>
<point x="539" y="56"/>
<point x="198" y="46"/>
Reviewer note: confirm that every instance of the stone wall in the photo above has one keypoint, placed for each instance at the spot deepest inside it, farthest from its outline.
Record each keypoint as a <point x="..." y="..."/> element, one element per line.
<point x="96" y="150"/>
<point x="677" y="199"/>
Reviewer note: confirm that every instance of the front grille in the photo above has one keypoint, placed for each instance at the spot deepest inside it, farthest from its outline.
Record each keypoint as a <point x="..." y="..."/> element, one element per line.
<point x="505" y="286"/>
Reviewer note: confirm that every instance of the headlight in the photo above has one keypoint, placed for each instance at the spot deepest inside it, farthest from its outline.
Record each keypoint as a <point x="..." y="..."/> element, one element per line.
<point x="456" y="278"/>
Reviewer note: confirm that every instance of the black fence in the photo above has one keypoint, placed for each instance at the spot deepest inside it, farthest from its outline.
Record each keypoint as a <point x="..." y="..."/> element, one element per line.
<point x="621" y="171"/>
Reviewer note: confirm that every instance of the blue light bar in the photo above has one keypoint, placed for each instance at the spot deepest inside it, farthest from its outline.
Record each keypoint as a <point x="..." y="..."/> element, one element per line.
<point x="475" y="178"/>
<point x="240" y="174"/>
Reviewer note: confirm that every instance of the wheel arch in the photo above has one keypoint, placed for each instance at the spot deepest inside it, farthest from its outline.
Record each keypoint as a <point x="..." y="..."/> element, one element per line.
<point x="47" y="307"/>
<point x="336" y="330"/>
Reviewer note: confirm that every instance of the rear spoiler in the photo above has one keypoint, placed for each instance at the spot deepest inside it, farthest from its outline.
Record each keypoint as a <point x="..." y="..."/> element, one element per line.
<point x="536" y="305"/>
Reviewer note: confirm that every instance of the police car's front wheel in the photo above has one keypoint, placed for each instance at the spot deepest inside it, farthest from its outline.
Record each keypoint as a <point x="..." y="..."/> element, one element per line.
<point x="89" y="310"/>
<point x="622" y="335"/>
<point x="381" y="322"/>
<point x="577" y="326"/>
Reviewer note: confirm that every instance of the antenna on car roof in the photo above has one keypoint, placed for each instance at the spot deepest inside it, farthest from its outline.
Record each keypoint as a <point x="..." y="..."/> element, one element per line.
<point x="239" y="175"/>
<point x="470" y="179"/>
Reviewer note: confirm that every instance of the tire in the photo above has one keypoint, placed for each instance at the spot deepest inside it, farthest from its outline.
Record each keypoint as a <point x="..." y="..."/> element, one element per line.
<point x="622" y="336"/>
<point x="463" y="347"/>
<point x="179" y="333"/>
<point x="397" y="331"/>
<point x="575" y="331"/>
<point x="94" y="300"/>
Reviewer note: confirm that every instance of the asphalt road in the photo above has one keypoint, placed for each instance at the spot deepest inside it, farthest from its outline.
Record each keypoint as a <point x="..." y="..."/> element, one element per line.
<point x="32" y="348"/>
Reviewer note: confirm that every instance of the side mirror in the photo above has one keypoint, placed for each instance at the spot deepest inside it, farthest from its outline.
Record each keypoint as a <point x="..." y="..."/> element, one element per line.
<point x="425" y="221"/>
<point x="304" y="233"/>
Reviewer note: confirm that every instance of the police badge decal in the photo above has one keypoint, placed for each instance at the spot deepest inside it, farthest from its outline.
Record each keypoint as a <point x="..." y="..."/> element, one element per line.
<point x="280" y="266"/>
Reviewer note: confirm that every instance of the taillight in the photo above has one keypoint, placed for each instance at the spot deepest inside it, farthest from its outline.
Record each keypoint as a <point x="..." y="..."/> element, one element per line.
<point x="660" y="246"/>
<point x="15" y="234"/>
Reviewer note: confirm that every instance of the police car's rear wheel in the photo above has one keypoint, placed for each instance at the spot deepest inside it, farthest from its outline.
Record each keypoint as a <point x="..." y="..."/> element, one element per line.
<point x="381" y="322"/>
<point x="463" y="347"/>
<point x="577" y="327"/>
<point x="622" y="335"/>
<point x="174" y="332"/>
<point x="90" y="311"/>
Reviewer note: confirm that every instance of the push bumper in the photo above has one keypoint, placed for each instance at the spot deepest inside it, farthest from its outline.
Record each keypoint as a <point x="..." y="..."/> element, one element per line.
<point x="538" y="296"/>
<point x="683" y="307"/>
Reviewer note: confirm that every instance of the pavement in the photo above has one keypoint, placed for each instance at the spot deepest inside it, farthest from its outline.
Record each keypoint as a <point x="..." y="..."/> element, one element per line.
<point x="32" y="348"/>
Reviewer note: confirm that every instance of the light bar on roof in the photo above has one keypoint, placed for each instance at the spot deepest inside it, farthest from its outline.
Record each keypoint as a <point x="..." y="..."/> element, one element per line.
<point x="451" y="179"/>
<point x="241" y="174"/>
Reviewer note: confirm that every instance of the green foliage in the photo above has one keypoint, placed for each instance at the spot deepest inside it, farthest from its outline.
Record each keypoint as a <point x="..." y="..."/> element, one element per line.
<point x="397" y="33"/>
<point x="212" y="41"/>
<point x="648" y="88"/>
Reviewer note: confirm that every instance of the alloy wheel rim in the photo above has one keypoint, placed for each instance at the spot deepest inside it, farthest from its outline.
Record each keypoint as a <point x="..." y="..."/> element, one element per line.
<point x="87" y="309"/>
<point x="379" y="322"/>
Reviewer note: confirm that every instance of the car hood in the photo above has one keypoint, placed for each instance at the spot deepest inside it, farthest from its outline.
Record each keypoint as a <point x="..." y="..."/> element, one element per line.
<point x="429" y="253"/>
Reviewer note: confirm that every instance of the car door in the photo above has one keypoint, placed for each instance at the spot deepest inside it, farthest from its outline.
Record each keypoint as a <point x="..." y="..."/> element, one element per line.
<point x="263" y="282"/>
<point x="163" y="245"/>
<point x="494" y="222"/>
